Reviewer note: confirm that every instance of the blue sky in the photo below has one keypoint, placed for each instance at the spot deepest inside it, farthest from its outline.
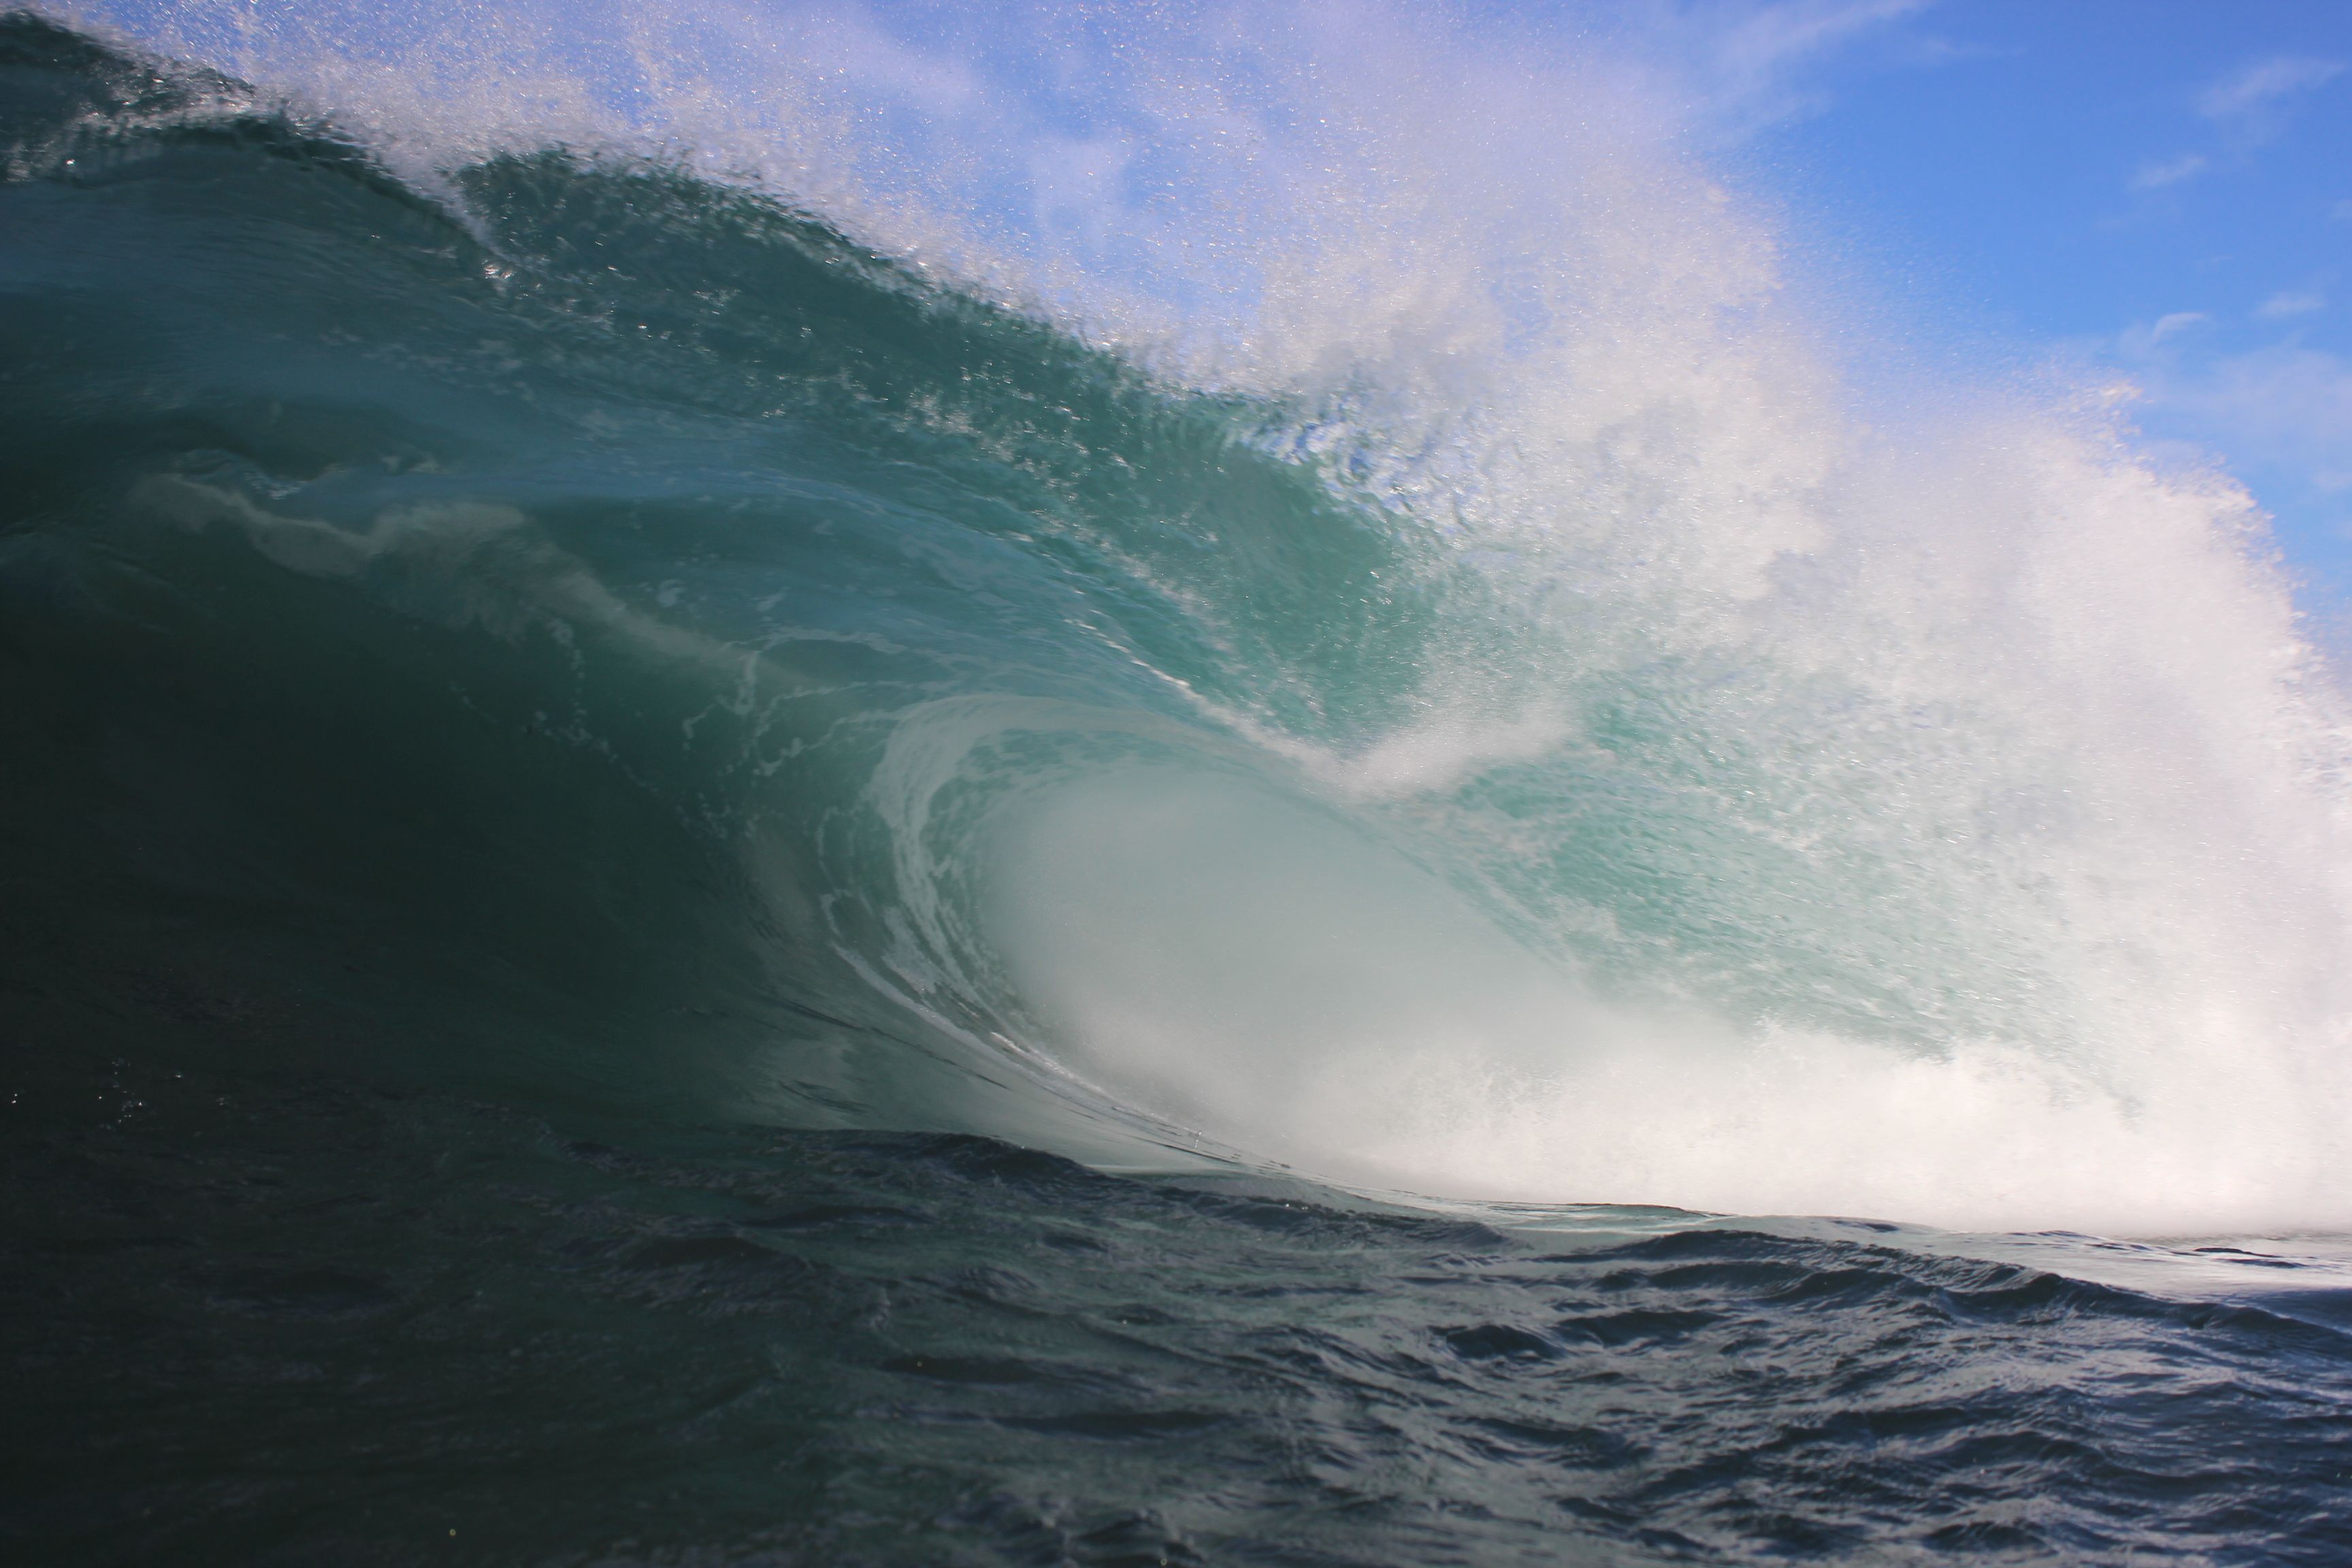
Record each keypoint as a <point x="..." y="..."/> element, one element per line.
<point x="2162" y="188"/>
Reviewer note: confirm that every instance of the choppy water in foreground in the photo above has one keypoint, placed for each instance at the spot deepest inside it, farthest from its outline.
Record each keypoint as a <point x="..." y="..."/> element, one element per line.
<point x="671" y="896"/>
<point x="270" y="1318"/>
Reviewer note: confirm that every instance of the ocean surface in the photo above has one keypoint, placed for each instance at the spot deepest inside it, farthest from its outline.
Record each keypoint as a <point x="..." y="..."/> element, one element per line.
<point x="699" y="864"/>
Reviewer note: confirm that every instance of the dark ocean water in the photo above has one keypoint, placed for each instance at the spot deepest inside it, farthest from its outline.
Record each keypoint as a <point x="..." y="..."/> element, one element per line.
<point x="513" y="703"/>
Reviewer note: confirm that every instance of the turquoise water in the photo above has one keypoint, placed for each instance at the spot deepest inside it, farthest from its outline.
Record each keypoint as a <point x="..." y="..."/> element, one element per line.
<point x="680" y="891"/>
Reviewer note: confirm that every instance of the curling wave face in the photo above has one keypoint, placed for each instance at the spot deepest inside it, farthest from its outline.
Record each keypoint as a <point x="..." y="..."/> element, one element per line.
<point x="1516" y="737"/>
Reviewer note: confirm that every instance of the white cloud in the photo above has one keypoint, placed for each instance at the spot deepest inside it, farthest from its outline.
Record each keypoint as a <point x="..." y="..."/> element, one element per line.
<point x="2291" y="302"/>
<point x="2249" y="101"/>
<point x="1768" y="40"/>
<point x="856" y="48"/>
<point x="2285" y="407"/>
<point x="2138" y="342"/>
<point x="1749" y="61"/>
<point x="2155" y="177"/>
<point x="1077" y="184"/>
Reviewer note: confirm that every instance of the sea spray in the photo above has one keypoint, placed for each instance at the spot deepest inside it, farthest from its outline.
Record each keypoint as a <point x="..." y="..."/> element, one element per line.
<point x="1936" y="817"/>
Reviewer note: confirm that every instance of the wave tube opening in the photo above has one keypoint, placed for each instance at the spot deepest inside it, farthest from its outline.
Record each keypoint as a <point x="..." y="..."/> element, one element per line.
<point x="1498" y="699"/>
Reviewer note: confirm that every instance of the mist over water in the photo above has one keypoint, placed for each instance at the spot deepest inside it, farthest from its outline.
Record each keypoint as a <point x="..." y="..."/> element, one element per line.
<point x="1697" y="788"/>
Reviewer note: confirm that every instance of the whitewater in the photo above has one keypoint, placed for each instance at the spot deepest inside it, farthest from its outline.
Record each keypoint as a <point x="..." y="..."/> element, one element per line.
<point x="1110" y="786"/>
